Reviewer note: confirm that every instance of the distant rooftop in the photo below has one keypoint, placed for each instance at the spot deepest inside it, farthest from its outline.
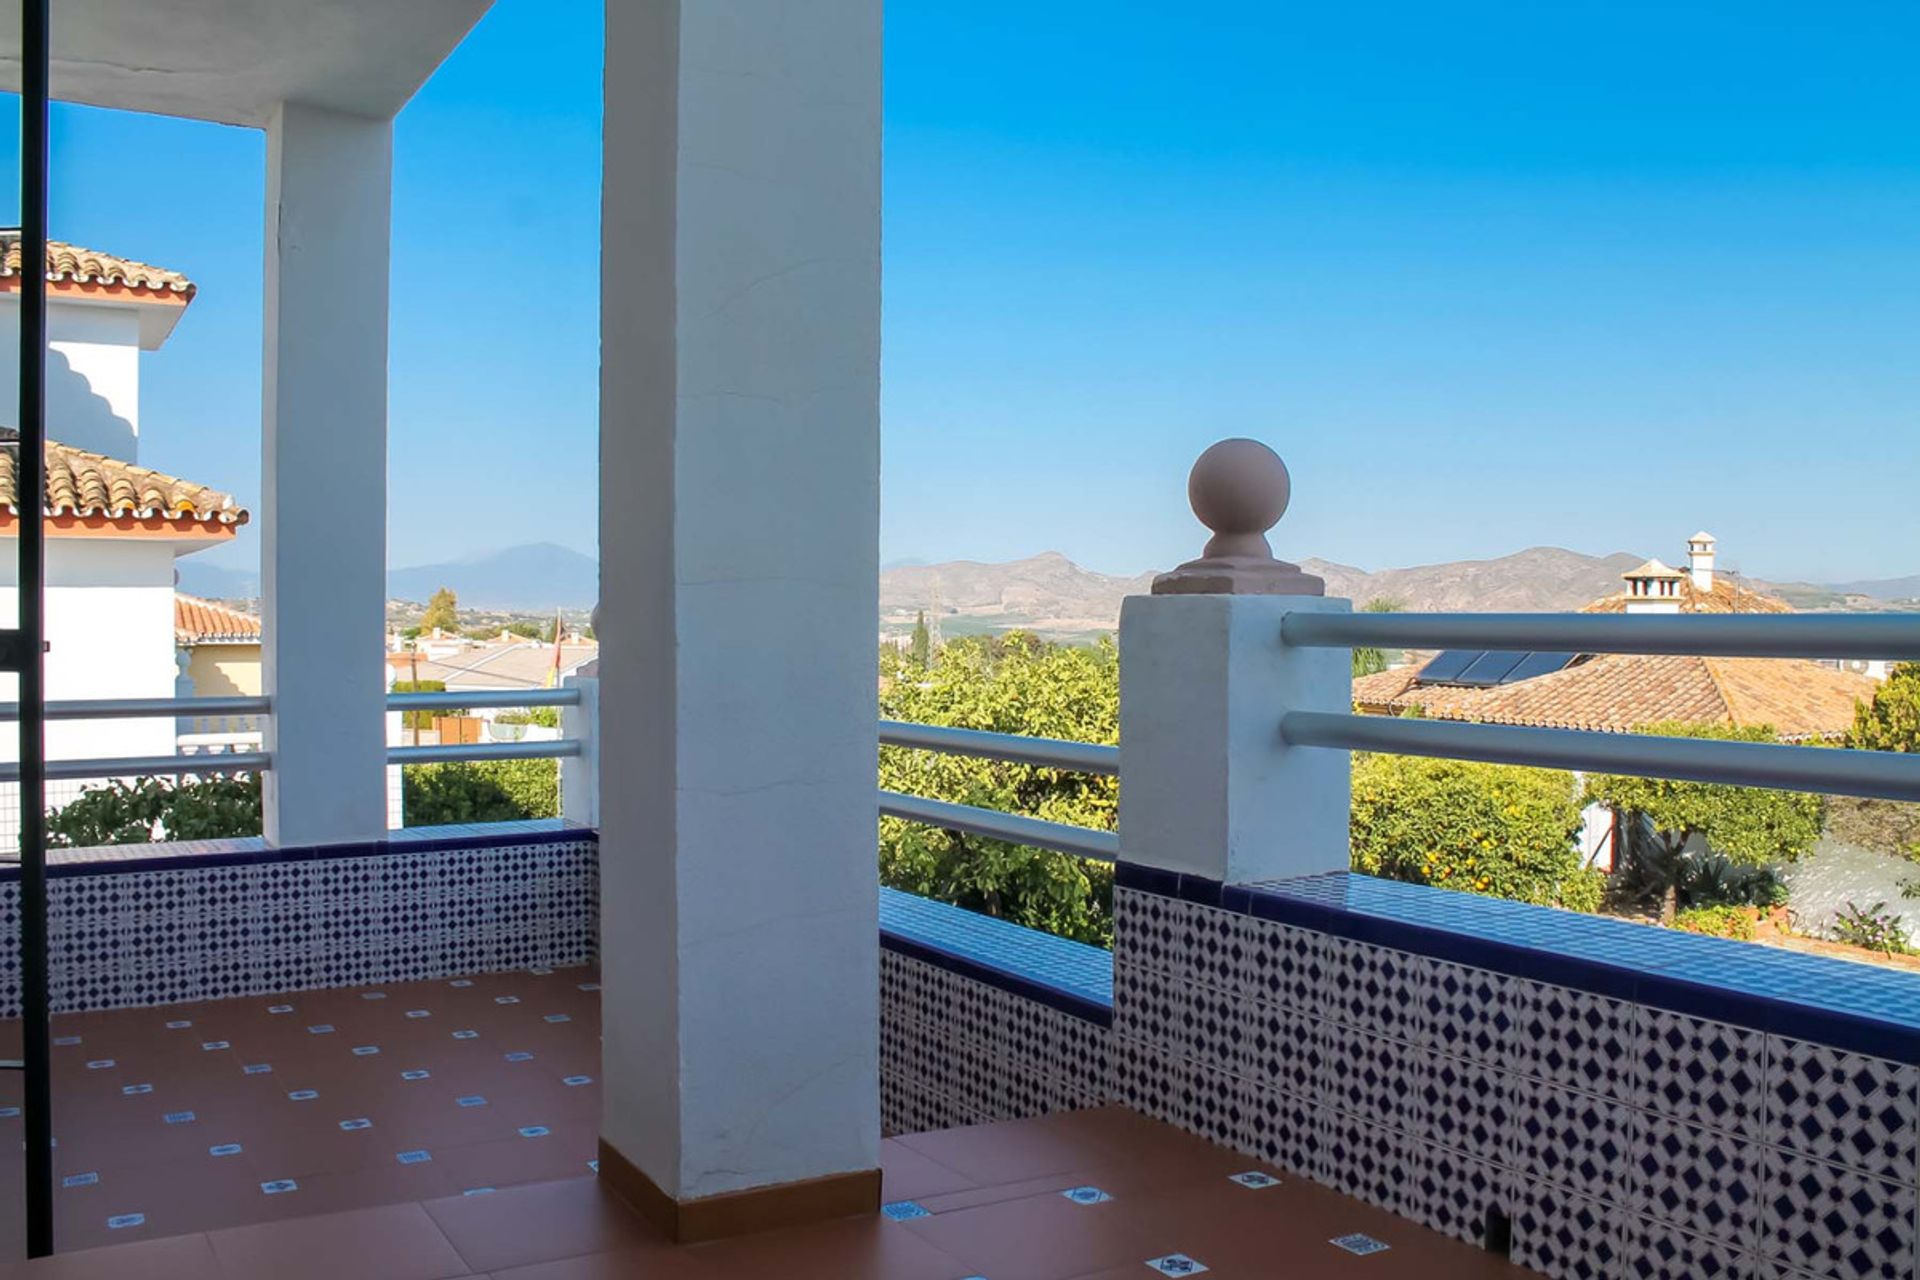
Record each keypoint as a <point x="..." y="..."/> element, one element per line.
<point x="73" y="264"/>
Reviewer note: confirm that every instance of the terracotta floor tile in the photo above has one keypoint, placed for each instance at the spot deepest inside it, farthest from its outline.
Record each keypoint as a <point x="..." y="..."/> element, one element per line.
<point x="394" y="1242"/>
<point x="851" y="1249"/>
<point x="541" y="1223"/>
<point x="646" y="1264"/>
<point x="1043" y="1237"/>
<point x="989" y="1153"/>
<point x="174" y="1258"/>
<point x="906" y="1174"/>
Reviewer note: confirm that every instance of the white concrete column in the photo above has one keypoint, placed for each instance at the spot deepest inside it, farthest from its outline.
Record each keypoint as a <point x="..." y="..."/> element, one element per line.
<point x="324" y="474"/>
<point x="580" y="775"/>
<point x="739" y="480"/>
<point x="1207" y="786"/>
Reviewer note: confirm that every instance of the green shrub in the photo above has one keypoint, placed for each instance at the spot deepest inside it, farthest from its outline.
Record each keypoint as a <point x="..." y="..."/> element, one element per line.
<point x="545" y="717"/>
<point x="480" y="791"/>
<point x="421" y="719"/>
<point x="1874" y="927"/>
<point x="149" y="809"/>
<point x="1493" y="829"/>
<point x="1718" y="922"/>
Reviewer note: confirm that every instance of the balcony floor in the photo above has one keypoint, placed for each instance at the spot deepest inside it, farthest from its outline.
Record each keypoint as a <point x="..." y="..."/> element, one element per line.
<point x="992" y="1201"/>
<point x="191" y="1118"/>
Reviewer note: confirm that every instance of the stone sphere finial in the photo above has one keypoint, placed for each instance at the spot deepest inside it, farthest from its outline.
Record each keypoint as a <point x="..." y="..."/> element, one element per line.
<point x="1239" y="488"/>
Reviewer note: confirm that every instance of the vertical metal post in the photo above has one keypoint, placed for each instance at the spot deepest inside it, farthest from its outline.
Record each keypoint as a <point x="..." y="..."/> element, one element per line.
<point x="35" y="1029"/>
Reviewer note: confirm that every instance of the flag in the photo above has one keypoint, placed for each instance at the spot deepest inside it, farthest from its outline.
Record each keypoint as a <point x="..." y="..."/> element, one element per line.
<point x="553" y="674"/>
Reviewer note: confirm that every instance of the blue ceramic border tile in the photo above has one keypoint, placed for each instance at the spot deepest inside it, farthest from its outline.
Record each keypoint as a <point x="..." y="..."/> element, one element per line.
<point x="1846" y="1005"/>
<point x="1058" y="972"/>
<point x="186" y="855"/>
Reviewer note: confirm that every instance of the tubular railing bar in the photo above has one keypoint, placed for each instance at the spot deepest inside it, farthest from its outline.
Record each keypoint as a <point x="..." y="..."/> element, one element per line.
<point x="451" y="752"/>
<point x="1103" y="846"/>
<point x="1892" y="636"/>
<point x="1055" y="753"/>
<point x="1883" y="775"/>
<point x="141" y="766"/>
<point x="483" y="699"/>
<point x="136" y="708"/>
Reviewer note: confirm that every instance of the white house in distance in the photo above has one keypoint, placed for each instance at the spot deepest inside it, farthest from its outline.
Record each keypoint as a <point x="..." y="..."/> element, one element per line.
<point x="114" y="528"/>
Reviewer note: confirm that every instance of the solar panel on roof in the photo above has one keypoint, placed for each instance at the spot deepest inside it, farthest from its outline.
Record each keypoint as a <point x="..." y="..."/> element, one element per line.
<point x="1447" y="666"/>
<point x="1539" y="664"/>
<point x="1491" y="667"/>
<point x="1486" y="668"/>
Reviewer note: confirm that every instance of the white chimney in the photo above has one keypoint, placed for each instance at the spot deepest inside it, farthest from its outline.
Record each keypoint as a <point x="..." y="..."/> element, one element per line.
<point x="1700" y="561"/>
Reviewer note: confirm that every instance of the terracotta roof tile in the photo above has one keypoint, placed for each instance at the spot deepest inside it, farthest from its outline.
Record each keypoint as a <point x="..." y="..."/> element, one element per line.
<point x="71" y="262"/>
<point x="1617" y="693"/>
<point x="1726" y="597"/>
<point x="197" y="621"/>
<point x="91" y="484"/>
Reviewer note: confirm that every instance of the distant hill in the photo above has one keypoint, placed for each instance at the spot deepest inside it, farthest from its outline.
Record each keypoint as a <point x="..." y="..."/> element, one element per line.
<point x="1047" y="593"/>
<point x="1907" y="588"/>
<point x="531" y="578"/>
<point x="216" y="582"/>
<point x="1539" y="579"/>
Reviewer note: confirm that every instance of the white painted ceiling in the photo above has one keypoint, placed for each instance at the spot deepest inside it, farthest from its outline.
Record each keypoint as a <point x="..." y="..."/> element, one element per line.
<point x="232" y="61"/>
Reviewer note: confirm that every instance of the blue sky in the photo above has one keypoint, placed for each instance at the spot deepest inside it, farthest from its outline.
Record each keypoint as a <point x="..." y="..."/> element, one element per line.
<point x="1488" y="275"/>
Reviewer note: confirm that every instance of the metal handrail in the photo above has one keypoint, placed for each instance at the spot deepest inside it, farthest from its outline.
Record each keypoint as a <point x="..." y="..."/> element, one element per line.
<point x="139" y="708"/>
<point x="1883" y="775"/>
<point x="141" y="766"/>
<point x="1085" y="842"/>
<point x="1746" y="635"/>
<point x="451" y="752"/>
<point x="1054" y="753"/>
<point x="475" y="699"/>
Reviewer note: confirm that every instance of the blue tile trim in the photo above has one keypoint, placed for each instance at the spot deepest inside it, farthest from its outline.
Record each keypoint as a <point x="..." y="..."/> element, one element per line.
<point x="187" y="855"/>
<point x="1058" y="972"/>
<point x="1849" y="1006"/>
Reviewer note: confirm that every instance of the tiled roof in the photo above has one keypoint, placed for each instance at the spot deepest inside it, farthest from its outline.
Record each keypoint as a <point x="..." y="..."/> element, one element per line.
<point x="197" y="621"/>
<point x="1727" y="596"/>
<point x="1653" y="569"/>
<point x="1617" y="693"/>
<point x="90" y="484"/>
<point x="70" y="262"/>
<point x="517" y="666"/>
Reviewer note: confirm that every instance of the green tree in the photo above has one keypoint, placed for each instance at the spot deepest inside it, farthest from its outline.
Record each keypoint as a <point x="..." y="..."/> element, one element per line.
<point x="1010" y="684"/>
<point x="443" y="611"/>
<point x="1367" y="659"/>
<point x="921" y="647"/>
<point x="531" y="630"/>
<point x="1675" y="827"/>
<point x="1492" y="829"/>
<point x="480" y="791"/>
<point x="422" y="719"/>
<point x="1891" y="722"/>
<point x="148" y="809"/>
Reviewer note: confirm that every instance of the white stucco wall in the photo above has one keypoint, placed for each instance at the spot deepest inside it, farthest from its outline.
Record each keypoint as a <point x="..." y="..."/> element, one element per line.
<point x="93" y="374"/>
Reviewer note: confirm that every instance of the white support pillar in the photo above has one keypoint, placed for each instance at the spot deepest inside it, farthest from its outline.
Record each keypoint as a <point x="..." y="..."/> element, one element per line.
<point x="739" y="473"/>
<point x="324" y="474"/>
<point x="580" y="775"/>
<point x="1207" y="786"/>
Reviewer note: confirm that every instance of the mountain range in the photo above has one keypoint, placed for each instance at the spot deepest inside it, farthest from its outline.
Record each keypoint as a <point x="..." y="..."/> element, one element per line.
<point x="1051" y="594"/>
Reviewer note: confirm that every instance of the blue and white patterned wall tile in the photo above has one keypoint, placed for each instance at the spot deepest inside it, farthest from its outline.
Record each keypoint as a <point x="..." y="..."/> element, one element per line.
<point x="1454" y="1193"/>
<point x="1286" y="966"/>
<point x="1374" y="1078"/>
<point x="1469" y="1012"/>
<point x="1369" y="1162"/>
<point x="1377" y="989"/>
<point x="1702" y="1072"/>
<point x="1147" y="1078"/>
<point x="1702" y="1181"/>
<point x="1660" y="1251"/>
<point x="1568" y="1237"/>
<point x="1824" y="1221"/>
<point x="1577" y="1141"/>
<point x="1574" y="1039"/>
<point x="1283" y="1129"/>
<point x="1847" y="1108"/>
<point x="1286" y="1050"/>
<point x="1466" y="1107"/>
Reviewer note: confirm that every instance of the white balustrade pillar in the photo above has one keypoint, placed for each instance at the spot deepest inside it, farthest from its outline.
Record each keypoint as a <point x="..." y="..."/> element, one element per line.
<point x="324" y="474"/>
<point x="739" y="473"/>
<point x="580" y="775"/>
<point x="1207" y="786"/>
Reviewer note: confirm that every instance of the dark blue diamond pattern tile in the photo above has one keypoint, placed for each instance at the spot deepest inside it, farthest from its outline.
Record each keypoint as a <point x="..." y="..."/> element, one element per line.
<point x="1568" y="1237"/>
<point x="1373" y="1078"/>
<point x="1469" y="1012"/>
<point x="1845" y="1107"/>
<point x="1573" y="1140"/>
<point x="1369" y="1162"/>
<point x="1286" y="1050"/>
<point x="1698" y="1180"/>
<point x="1286" y="966"/>
<point x="1454" y="1193"/>
<point x="1659" y="1251"/>
<point x="1283" y="1129"/>
<point x="1574" y="1039"/>
<point x="1467" y="1107"/>
<point x="1701" y="1072"/>
<point x="1822" y="1220"/>
<point x="1377" y="989"/>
